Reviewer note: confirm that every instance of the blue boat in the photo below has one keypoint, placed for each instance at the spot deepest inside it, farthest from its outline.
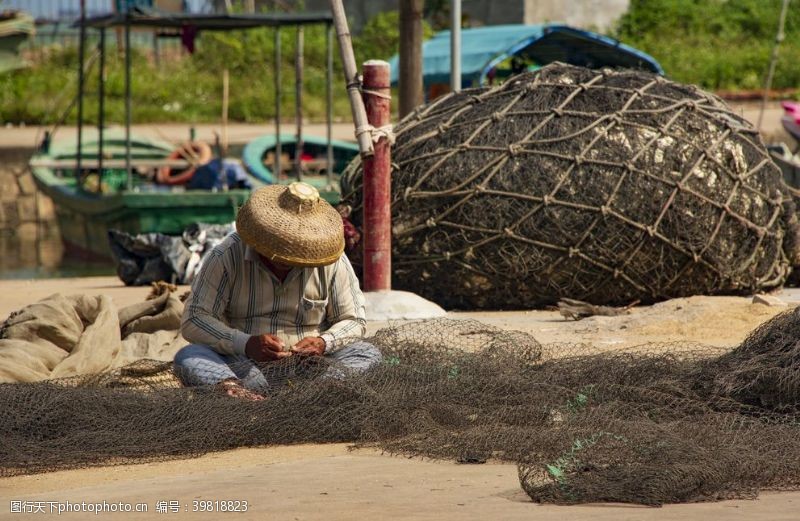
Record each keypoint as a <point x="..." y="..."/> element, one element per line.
<point x="259" y="159"/>
<point x="491" y="53"/>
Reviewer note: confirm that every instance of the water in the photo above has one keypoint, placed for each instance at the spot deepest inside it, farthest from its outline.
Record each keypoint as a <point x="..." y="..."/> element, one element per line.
<point x="68" y="269"/>
<point x="30" y="241"/>
<point x="43" y="257"/>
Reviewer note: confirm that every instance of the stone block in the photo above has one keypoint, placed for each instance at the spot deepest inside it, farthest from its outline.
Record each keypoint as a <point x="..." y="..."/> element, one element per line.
<point x="26" y="206"/>
<point x="27" y="233"/>
<point x="9" y="189"/>
<point x="9" y="214"/>
<point x="768" y="300"/>
<point x="45" y="208"/>
<point x="26" y="184"/>
<point x="51" y="250"/>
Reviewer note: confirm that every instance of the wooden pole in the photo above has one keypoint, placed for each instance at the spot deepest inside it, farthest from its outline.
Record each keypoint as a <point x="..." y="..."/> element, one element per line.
<point x="411" y="86"/>
<point x="298" y="103"/>
<point x="455" y="46"/>
<point x="128" y="108"/>
<point x="329" y="103"/>
<point x="225" y="92"/>
<point x="351" y="79"/>
<point x="101" y="110"/>
<point x="377" y="181"/>
<point x="117" y="30"/>
<point x="276" y="165"/>
<point x="773" y="61"/>
<point x="156" y="52"/>
<point x="81" y="81"/>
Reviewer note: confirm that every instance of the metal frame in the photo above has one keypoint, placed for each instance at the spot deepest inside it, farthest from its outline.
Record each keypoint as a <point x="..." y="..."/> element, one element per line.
<point x="138" y="17"/>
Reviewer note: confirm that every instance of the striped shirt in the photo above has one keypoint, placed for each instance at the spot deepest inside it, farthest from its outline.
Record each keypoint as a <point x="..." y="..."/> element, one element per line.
<point x="235" y="296"/>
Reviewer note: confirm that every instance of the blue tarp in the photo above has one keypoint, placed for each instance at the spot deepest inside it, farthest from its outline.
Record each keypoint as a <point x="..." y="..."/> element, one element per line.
<point x="483" y="48"/>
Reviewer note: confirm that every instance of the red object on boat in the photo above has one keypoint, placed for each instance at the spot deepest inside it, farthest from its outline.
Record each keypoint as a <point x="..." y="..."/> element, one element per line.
<point x="198" y="152"/>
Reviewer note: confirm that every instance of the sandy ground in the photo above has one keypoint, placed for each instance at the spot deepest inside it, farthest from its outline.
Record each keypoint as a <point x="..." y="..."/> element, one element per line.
<point x="716" y="321"/>
<point x="332" y="482"/>
<point x="26" y="137"/>
<point x="329" y="482"/>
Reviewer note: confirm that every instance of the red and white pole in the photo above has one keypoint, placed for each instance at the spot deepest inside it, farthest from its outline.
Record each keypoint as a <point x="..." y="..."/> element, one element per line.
<point x="377" y="180"/>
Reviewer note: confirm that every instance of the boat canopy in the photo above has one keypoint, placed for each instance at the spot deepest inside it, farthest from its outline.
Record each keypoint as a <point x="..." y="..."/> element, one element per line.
<point x="145" y="17"/>
<point x="483" y="48"/>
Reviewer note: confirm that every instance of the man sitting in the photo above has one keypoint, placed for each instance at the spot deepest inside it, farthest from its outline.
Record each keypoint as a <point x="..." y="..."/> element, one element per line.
<point x="279" y="287"/>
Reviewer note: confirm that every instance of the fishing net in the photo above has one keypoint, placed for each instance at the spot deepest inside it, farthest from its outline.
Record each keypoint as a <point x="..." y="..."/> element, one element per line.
<point x="606" y="186"/>
<point x="651" y="424"/>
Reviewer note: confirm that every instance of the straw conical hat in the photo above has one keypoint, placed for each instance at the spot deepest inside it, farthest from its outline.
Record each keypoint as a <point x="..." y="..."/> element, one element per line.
<point x="291" y="225"/>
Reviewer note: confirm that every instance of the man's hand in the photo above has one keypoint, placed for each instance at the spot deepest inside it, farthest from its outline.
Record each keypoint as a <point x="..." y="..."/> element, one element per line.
<point x="233" y="388"/>
<point x="265" y="348"/>
<point x="309" y="346"/>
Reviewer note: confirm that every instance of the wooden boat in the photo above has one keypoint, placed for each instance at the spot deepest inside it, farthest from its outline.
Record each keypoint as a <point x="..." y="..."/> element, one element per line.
<point x="87" y="206"/>
<point x="105" y="191"/>
<point x="259" y="159"/>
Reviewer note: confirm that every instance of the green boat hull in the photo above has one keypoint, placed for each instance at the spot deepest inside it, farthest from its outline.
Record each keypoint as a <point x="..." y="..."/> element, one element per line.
<point x="84" y="223"/>
<point x="85" y="217"/>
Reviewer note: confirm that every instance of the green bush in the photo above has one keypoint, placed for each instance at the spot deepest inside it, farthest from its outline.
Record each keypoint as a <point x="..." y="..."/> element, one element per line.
<point x="717" y="44"/>
<point x="380" y="37"/>
<point x="190" y="90"/>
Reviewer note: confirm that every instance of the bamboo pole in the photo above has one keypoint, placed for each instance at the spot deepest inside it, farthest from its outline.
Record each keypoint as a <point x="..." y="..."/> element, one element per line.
<point x="352" y="81"/>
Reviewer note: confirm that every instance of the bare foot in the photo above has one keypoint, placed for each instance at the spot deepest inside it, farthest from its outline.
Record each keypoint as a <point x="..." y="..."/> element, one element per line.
<point x="235" y="390"/>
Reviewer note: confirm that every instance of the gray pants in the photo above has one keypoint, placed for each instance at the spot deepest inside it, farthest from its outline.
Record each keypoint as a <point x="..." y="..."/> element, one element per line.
<point x="198" y="365"/>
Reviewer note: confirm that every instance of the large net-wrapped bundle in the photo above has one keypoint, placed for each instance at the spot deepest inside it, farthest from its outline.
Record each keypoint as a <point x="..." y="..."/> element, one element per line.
<point x="608" y="186"/>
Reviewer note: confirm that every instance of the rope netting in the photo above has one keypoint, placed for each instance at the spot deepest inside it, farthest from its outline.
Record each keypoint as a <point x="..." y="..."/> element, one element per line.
<point x="653" y="424"/>
<point x="599" y="185"/>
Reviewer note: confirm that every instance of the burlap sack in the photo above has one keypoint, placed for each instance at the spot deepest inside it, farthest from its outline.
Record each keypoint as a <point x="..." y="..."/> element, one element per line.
<point x="71" y="335"/>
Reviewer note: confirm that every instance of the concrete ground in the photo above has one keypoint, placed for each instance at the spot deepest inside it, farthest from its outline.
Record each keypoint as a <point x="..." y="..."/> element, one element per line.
<point x="331" y="482"/>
